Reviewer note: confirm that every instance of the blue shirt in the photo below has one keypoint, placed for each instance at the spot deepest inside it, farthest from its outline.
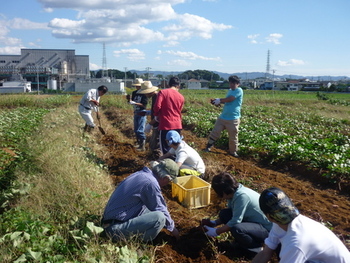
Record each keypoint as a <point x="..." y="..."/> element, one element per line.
<point x="245" y="208"/>
<point x="132" y="196"/>
<point x="232" y="110"/>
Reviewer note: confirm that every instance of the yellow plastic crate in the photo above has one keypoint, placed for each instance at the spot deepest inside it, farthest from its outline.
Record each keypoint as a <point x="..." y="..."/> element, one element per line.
<point x="191" y="191"/>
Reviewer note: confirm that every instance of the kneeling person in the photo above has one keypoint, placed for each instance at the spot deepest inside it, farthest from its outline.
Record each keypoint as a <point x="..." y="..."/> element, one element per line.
<point x="137" y="206"/>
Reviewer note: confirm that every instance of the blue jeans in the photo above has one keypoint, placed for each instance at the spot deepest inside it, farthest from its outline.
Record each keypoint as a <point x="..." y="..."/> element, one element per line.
<point x="139" y="126"/>
<point x="148" y="225"/>
<point x="246" y="234"/>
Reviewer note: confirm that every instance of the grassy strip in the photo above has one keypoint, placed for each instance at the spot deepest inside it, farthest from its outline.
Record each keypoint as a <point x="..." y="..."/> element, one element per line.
<point x="64" y="190"/>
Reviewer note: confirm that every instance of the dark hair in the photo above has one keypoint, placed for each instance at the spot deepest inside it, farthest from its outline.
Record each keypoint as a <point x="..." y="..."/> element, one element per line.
<point x="224" y="183"/>
<point x="103" y="88"/>
<point x="234" y="79"/>
<point x="174" y="81"/>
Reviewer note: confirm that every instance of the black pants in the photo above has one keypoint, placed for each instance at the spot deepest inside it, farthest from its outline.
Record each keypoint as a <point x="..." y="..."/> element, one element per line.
<point x="246" y="234"/>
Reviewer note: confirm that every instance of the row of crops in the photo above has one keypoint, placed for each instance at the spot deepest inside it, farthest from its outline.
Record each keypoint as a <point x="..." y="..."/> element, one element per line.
<point x="277" y="135"/>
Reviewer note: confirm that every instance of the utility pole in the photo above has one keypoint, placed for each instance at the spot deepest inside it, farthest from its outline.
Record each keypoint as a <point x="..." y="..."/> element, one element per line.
<point x="125" y="68"/>
<point x="104" y="61"/>
<point x="273" y="79"/>
<point x="267" y="64"/>
<point x="37" y="76"/>
<point x="148" y="68"/>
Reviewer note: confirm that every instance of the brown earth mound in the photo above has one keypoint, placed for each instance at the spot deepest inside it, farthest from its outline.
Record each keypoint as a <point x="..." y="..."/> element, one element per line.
<point x="315" y="198"/>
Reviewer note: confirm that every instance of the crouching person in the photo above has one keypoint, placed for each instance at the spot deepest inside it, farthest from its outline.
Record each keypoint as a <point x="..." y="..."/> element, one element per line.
<point x="187" y="158"/>
<point x="243" y="217"/>
<point x="301" y="238"/>
<point x="137" y="206"/>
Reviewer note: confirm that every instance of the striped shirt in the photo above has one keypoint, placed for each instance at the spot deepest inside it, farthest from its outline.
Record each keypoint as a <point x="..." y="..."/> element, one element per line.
<point x="132" y="196"/>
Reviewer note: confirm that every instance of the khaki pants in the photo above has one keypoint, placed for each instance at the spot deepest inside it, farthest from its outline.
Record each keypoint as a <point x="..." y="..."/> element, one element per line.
<point x="232" y="127"/>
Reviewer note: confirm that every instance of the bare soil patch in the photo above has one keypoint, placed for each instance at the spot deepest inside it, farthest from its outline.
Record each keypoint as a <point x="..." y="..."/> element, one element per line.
<point x="314" y="197"/>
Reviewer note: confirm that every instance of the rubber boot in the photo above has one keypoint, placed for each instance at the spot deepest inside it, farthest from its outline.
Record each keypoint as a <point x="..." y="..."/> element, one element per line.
<point x="89" y="129"/>
<point x="137" y="143"/>
<point x="208" y="147"/>
<point x="142" y="146"/>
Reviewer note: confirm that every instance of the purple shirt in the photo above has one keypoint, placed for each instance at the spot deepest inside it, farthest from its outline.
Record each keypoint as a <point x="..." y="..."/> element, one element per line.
<point x="132" y="196"/>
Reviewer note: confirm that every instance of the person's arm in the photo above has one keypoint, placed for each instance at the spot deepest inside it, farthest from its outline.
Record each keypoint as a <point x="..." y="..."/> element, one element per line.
<point x="158" y="104"/>
<point x="167" y="155"/>
<point x="223" y="229"/>
<point x="153" y="199"/>
<point x="227" y="99"/>
<point x="264" y="256"/>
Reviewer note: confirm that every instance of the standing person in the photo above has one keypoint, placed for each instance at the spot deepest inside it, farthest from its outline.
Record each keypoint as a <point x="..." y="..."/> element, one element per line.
<point x="229" y="118"/>
<point x="137" y="206"/>
<point x="139" y="101"/>
<point x="167" y="110"/>
<point x="151" y="92"/>
<point x="243" y="217"/>
<point x="302" y="239"/>
<point x="187" y="158"/>
<point x="90" y="101"/>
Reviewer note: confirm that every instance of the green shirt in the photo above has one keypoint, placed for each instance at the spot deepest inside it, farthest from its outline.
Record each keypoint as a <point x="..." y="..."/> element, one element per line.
<point x="245" y="208"/>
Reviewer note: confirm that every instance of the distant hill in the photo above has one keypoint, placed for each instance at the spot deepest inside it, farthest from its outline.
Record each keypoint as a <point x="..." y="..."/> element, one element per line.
<point x="251" y="75"/>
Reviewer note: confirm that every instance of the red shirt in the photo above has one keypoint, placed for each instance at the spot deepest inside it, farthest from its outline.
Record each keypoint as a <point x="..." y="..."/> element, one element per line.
<point x="168" y="108"/>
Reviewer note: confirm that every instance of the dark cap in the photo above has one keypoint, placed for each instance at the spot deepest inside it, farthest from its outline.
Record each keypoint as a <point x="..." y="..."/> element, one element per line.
<point x="274" y="202"/>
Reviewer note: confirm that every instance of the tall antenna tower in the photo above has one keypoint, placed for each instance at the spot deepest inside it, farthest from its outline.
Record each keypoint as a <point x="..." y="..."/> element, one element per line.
<point x="267" y="65"/>
<point x="104" y="61"/>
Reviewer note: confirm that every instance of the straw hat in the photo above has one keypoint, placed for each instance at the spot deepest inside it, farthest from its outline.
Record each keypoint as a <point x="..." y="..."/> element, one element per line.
<point x="138" y="82"/>
<point x="147" y="87"/>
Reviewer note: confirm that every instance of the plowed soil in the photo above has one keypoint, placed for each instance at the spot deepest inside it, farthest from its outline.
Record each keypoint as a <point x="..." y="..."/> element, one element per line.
<point x="315" y="197"/>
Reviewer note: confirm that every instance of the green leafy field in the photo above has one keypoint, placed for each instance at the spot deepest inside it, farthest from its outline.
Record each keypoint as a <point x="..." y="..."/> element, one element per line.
<point x="50" y="201"/>
<point x="286" y="127"/>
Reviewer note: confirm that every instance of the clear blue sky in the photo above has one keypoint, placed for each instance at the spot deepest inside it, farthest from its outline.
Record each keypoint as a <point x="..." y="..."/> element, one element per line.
<point x="305" y="37"/>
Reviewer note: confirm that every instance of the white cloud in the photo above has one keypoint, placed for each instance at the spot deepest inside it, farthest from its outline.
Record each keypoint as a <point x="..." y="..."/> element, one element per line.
<point x="253" y="38"/>
<point x="10" y="41"/>
<point x="179" y="62"/>
<point x="291" y="62"/>
<point x="25" y="24"/>
<point x="94" y="66"/>
<point x="193" y="25"/>
<point x="127" y="22"/>
<point x="102" y="4"/>
<point x="274" y="38"/>
<point x="131" y="54"/>
<point x="190" y="55"/>
<point x="10" y="50"/>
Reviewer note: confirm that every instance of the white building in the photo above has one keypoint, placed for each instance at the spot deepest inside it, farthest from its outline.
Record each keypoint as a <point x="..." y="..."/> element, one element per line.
<point x="194" y="84"/>
<point x="41" y="65"/>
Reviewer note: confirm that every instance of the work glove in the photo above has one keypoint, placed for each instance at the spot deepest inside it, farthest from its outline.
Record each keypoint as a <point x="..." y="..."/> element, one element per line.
<point x="148" y="128"/>
<point x="156" y="118"/>
<point x="208" y="222"/>
<point x="211" y="231"/>
<point x="216" y="102"/>
<point x="132" y="102"/>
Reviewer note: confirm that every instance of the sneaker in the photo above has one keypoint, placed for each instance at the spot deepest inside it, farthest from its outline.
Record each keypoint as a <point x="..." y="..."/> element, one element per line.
<point x="256" y="249"/>
<point x="234" y="154"/>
